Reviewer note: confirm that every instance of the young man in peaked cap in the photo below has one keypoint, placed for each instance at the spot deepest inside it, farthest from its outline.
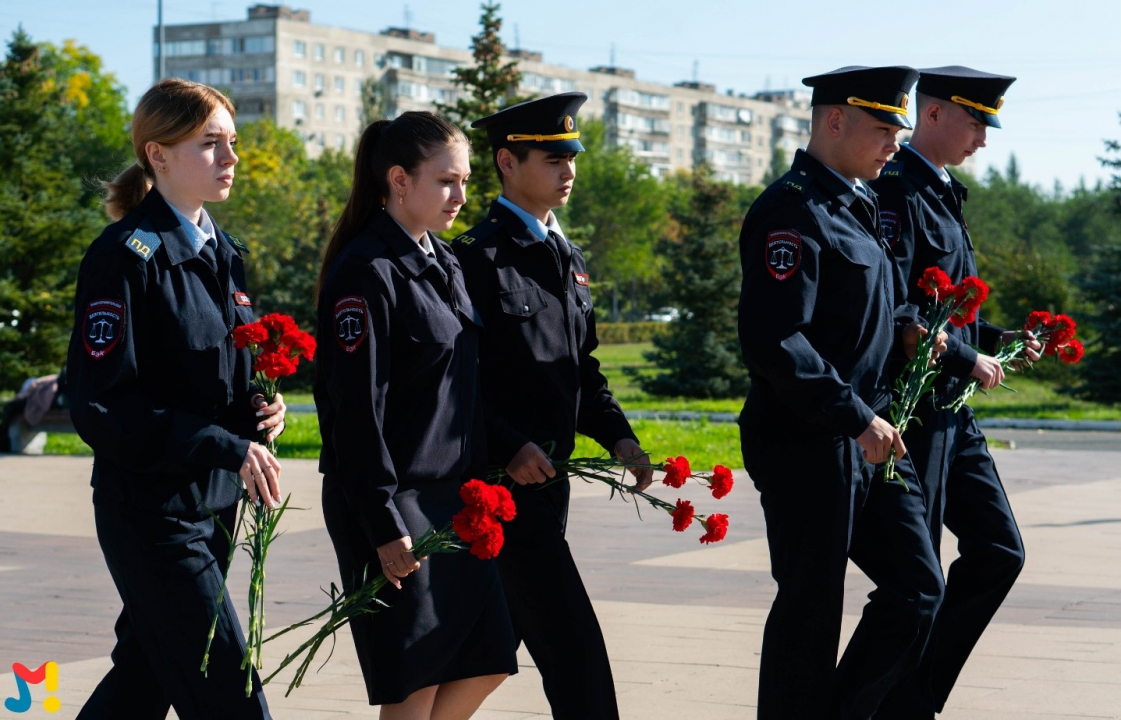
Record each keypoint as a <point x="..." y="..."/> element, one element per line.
<point x="541" y="385"/>
<point x="921" y="209"/>
<point x="817" y="320"/>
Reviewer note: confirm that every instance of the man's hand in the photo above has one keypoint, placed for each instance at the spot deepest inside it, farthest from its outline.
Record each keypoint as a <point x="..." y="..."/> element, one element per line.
<point x="530" y="465"/>
<point x="988" y="371"/>
<point x="911" y="335"/>
<point x="627" y="450"/>
<point x="1033" y="349"/>
<point x="878" y="439"/>
<point x="273" y="415"/>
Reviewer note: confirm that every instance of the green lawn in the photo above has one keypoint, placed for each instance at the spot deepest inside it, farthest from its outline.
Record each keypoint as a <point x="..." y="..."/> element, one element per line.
<point x="704" y="443"/>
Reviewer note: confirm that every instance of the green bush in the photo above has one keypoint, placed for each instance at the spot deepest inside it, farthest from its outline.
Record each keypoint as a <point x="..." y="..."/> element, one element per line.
<point x="625" y="333"/>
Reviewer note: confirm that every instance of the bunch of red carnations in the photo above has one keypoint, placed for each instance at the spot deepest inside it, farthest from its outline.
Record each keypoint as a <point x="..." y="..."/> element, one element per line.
<point x="478" y="524"/>
<point x="276" y="343"/>
<point x="951" y="304"/>
<point x="1054" y="332"/>
<point x="612" y="472"/>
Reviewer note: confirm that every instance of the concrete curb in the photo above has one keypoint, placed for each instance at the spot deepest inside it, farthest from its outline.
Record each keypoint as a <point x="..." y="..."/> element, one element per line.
<point x="721" y="417"/>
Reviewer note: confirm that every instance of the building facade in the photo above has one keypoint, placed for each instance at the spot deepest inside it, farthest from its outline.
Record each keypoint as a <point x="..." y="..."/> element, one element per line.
<point x="312" y="78"/>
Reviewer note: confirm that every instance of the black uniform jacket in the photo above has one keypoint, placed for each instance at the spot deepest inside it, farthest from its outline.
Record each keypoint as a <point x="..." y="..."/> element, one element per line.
<point x="397" y="374"/>
<point x="158" y="390"/>
<point x="924" y="227"/>
<point x="540" y="381"/>
<point x="817" y="306"/>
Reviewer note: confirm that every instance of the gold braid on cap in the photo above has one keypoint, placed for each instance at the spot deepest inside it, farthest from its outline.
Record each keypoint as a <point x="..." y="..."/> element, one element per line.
<point x="978" y="106"/>
<point x="857" y="102"/>
<point x="543" y="138"/>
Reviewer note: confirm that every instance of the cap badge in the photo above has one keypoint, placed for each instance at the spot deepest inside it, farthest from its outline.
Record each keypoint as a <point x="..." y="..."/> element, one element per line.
<point x="569" y="123"/>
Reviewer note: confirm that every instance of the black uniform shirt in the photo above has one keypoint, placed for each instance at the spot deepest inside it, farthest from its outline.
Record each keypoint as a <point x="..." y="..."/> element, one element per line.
<point x="397" y="373"/>
<point x="924" y="227"/>
<point x="540" y="381"/>
<point x="158" y="390"/>
<point x="816" y="313"/>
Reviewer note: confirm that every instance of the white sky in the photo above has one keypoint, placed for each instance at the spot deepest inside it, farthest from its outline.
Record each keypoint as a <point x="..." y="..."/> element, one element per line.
<point x="1065" y="54"/>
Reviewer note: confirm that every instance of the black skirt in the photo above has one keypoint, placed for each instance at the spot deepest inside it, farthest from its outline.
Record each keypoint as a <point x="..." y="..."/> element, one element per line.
<point x="448" y="622"/>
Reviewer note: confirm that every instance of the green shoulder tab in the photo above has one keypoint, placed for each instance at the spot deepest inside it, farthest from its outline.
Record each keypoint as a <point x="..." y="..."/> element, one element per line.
<point x="792" y="186"/>
<point x="144" y="241"/>
<point x="237" y="243"/>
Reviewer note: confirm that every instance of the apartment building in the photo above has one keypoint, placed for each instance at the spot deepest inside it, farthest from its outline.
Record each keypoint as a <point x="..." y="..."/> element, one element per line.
<point x="311" y="78"/>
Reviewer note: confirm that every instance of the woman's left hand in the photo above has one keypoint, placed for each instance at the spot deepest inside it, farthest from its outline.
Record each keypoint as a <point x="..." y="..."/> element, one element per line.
<point x="272" y="416"/>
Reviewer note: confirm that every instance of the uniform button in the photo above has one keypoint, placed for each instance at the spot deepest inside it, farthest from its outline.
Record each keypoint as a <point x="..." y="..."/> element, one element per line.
<point x="525" y="308"/>
<point x="801" y="172"/>
<point x="494" y="219"/>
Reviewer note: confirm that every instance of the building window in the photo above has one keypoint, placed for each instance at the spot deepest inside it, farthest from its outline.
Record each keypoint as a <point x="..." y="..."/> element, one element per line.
<point x="319" y="51"/>
<point x="680" y="108"/>
<point x="359" y="58"/>
<point x="299" y="48"/>
<point x="299" y="78"/>
<point x="318" y="81"/>
<point x="340" y="114"/>
<point x="299" y="108"/>
<point x="340" y="84"/>
<point x="680" y="154"/>
<point x="340" y="55"/>
<point x="320" y="112"/>
<point x="258" y="44"/>
<point x="340" y="142"/>
<point x="322" y="139"/>
<point x="357" y="86"/>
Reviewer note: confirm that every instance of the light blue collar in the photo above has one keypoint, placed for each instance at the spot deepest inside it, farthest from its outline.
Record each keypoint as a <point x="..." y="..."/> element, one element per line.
<point x="539" y="229"/>
<point x="857" y="186"/>
<point x="199" y="234"/>
<point x="940" y="172"/>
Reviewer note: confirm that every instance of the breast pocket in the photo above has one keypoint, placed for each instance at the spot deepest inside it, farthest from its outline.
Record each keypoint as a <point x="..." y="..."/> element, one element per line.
<point x="946" y="239"/>
<point x="523" y="302"/>
<point x="192" y="358"/>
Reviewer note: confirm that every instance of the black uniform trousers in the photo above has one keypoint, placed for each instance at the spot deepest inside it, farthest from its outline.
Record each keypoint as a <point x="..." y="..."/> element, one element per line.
<point x="168" y="571"/>
<point x="955" y="467"/>
<point x="822" y="506"/>
<point x="550" y="608"/>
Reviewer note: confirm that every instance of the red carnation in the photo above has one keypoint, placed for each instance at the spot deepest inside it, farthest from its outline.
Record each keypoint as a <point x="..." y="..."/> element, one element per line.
<point x="683" y="515"/>
<point x="677" y="471"/>
<point x="716" y="526"/>
<point x="299" y="343"/>
<point x="478" y="494"/>
<point x="1072" y="352"/>
<point x="274" y="365"/>
<point x="721" y="483"/>
<point x="251" y="334"/>
<point x="935" y="282"/>
<point x="476" y="522"/>
<point x="506" y="509"/>
<point x="1062" y="329"/>
<point x="1037" y="320"/>
<point x="974" y="291"/>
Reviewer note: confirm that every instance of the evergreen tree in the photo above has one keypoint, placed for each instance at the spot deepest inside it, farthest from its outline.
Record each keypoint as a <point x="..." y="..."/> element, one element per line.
<point x="699" y="354"/>
<point x="1101" y="368"/>
<point x="61" y="120"/>
<point x="482" y="89"/>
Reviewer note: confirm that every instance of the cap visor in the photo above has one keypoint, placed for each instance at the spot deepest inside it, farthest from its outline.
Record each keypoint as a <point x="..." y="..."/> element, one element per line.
<point x="990" y="120"/>
<point x="558" y="146"/>
<point x="889" y="117"/>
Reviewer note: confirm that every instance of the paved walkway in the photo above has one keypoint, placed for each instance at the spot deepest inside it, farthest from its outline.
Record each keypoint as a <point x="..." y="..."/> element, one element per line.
<point x="683" y="622"/>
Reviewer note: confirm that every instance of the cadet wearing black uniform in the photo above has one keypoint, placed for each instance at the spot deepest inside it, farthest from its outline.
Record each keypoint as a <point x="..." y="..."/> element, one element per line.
<point x="541" y="384"/>
<point x="164" y="399"/>
<point x="816" y="323"/>
<point x="921" y="207"/>
<point x="397" y="394"/>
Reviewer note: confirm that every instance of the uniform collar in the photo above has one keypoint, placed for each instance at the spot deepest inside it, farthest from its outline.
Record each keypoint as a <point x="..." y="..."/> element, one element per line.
<point x="518" y="230"/>
<point x="926" y="170"/>
<point x="539" y="229"/>
<point x="807" y="165"/>
<point x="201" y="233"/>
<point x="174" y="237"/>
<point x="407" y="250"/>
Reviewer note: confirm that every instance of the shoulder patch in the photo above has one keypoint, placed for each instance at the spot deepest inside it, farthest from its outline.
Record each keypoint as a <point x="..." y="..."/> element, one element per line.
<point x="889" y="226"/>
<point x="102" y="327"/>
<point x="782" y="253"/>
<point x="350" y="322"/>
<point x="793" y="186"/>
<point x="894" y="168"/>
<point x="144" y="242"/>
